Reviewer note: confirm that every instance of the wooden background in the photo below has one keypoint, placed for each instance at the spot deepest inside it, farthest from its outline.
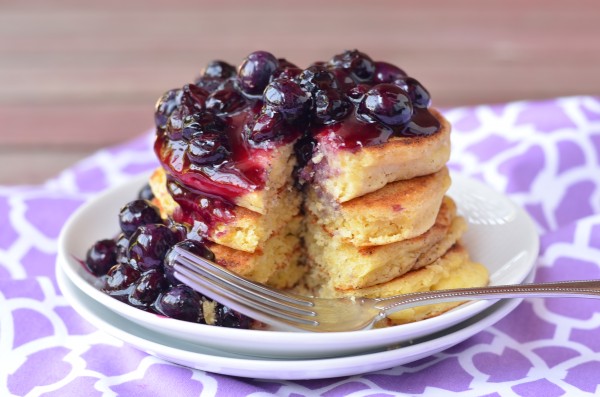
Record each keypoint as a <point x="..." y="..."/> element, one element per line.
<point x="79" y="75"/>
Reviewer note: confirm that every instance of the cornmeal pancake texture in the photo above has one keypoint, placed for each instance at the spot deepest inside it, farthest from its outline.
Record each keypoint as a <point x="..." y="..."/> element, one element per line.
<point x="347" y="174"/>
<point x="398" y="211"/>
<point x="346" y="266"/>
<point x="453" y="270"/>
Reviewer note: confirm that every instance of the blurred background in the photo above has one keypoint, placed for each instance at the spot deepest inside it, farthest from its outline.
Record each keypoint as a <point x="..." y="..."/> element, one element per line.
<point x="76" y="76"/>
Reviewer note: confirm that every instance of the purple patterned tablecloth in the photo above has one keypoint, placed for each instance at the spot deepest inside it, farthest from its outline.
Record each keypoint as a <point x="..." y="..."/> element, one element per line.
<point x="544" y="155"/>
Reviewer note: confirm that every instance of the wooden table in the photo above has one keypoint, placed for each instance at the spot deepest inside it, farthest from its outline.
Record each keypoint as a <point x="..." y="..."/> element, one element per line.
<point x="79" y="75"/>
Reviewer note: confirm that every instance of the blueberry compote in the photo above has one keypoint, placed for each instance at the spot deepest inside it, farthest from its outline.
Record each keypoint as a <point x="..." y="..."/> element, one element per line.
<point x="133" y="268"/>
<point x="215" y="136"/>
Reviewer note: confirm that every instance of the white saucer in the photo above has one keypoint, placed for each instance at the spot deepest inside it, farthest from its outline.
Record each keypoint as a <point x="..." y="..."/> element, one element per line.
<point x="208" y="359"/>
<point x="500" y="235"/>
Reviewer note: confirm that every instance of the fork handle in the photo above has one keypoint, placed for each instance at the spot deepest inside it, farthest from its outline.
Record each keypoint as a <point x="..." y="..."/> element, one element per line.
<point x="574" y="289"/>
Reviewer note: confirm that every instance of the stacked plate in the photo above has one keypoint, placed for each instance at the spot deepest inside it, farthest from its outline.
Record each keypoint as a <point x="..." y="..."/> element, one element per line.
<point x="501" y="236"/>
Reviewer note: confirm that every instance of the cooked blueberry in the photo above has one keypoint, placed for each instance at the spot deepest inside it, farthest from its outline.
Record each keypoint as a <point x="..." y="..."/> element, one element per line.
<point x="330" y="106"/>
<point x="101" y="257"/>
<point x="226" y="317"/>
<point x="179" y="230"/>
<point x="147" y="288"/>
<point x="165" y="106"/>
<point x="360" y="66"/>
<point x="175" y="125"/>
<point x="207" y="150"/>
<point x="145" y="193"/>
<point x="417" y="93"/>
<point x="317" y="77"/>
<point x="356" y="93"/>
<point x="226" y="101"/>
<point x="122" y="243"/>
<point x="345" y="82"/>
<point x="120" y="277"/>
<point x="286" y="70"/>
<point x="388" y="104"/>
<point x="193" y="98"/>
<point x="268" y="126"/>
<point x="304" y="149"/>
<point x="202" y="123"/>
<point x="255" y="72"/>
<point x="288" y="98"/>
<point x="193" y="246"/>
<point x="137" y="213"/>
<point x="181" y="302"/>
<point x="387" y="73"/>
<point x="219" y="69"/>
<point x="209" y="84"/>
<point x="148" y="246"/>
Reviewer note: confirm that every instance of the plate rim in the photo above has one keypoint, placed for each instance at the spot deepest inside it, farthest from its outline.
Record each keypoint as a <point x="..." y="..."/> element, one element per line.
<point x="300" y="338"/>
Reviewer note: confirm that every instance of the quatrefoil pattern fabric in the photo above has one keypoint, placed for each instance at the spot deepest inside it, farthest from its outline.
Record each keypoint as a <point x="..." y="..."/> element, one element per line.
<point x="543" y="155"/>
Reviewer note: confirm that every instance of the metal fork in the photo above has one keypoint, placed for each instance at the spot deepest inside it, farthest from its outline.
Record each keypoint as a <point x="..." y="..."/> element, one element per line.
<point x="285" y="310"/>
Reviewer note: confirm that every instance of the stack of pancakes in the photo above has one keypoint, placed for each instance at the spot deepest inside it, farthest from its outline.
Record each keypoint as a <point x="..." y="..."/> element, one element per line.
<point x="258" y="236"/>
<point x="378" y="223"/>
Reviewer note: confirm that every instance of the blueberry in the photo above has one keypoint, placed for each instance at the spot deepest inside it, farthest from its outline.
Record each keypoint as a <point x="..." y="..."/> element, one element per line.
<point x="209" y="84"/>
<point x="255" y="72"/>
<point x="317" y="77"/>
<point x="120" y="278"/>
<point x="148" y="246"/>
<point x="268" y="126"/>
<point x="122" y="243"/>
<point x="226" y="101"/>
<point x="180" y="230"/>
<point x="180" y="302"/>
<point x="330" y="106"/>
<point x="417" y="93"/>
<point x="345" y="82"/>
<point x="287" y="98"/>
<point x="356" y="93"/>
<point x="286" y="70"/>
<point x="137" y="213"/>
<point x="219" y="70"/>
<point x="101" y="257"/>
<point x="360" y="66"/>
<point x="202" y="123"/>
<point x="388" y="104"/>
<point x="304" y="149"/>
<point x="226" y="317"/>
<point x="387" y="73"/>
<point x="175" y="125"/>
<point x="207" y="150"/>
<point x="165" y="106"/>
<point x="147" y="288"/>
<point x="193" y="246"/>
<point x="193" y="98"/>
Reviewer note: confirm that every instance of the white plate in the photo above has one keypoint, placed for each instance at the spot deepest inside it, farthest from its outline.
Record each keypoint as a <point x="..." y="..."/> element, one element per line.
<point x="500" y="235"/>
<point x="208" y="359"/>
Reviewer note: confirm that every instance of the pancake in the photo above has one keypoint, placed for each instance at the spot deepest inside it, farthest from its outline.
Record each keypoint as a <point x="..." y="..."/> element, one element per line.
<point x="346" y="266"/>
<point x="347" y="174"/>
<point x="241" y="229"/>
<point x="277" y="263"/>
<point x="400" y="210"/>
<point x="453" y="270"/>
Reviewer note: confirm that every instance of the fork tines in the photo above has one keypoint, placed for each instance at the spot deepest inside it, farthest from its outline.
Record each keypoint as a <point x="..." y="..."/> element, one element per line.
<point x="254" y="299"/>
